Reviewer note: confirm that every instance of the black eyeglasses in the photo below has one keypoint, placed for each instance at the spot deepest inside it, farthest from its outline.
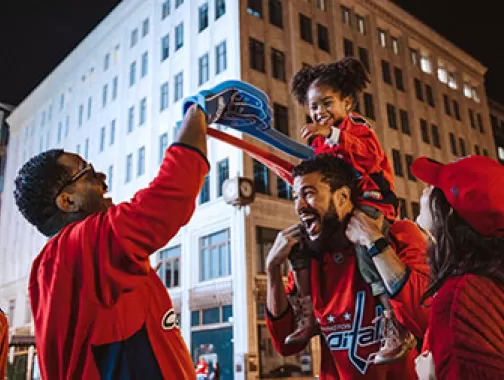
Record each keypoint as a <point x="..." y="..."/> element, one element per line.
<point x="87" y="169"/>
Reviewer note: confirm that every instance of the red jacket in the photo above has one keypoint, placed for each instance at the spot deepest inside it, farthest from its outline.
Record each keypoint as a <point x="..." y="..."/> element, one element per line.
<point x="202" y="368"/>
<point x="466" y="329"/>
<point x="4" y="345"/>
<point x="357" y="144"/>
<point x="345" y="308"/>
<point x="92" y="284"/>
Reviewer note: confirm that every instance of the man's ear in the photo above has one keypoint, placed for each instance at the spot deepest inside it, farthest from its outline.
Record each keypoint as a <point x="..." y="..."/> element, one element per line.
<point x="348" y="103"/>
<point x="342" y="197"/>
<point x="66" y="202"/>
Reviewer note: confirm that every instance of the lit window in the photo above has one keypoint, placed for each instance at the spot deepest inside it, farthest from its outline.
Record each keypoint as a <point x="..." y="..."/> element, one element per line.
<point x="500" y="152"/>
<point x="425" y="64"/>
<point x="452" y="82"/>
<point x="361" y="25"/>
<point x="382" y="37"/>
<point x="395" y="45"/>
<point x="415" y="60"/>
<point x="475" y="95"/>
<point x="442" y="75"/>
<point x="467" y="91"/>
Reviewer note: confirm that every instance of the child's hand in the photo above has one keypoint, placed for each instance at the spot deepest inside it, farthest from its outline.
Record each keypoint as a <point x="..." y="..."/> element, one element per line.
<point x="313" y="129"/>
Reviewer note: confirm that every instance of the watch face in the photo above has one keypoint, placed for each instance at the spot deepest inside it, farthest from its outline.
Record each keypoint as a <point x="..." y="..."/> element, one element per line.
<point x="246" y="189"/>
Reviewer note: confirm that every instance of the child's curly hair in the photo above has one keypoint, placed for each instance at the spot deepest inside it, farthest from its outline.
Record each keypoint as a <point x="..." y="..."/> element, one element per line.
<point x="347" y="76"/>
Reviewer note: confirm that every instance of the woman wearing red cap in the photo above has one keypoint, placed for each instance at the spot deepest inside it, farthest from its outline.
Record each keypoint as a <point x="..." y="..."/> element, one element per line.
<point x="463" y="209"/>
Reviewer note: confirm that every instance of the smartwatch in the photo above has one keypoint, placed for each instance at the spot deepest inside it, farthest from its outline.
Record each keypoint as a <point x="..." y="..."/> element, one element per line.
<point x="378" y="247"/>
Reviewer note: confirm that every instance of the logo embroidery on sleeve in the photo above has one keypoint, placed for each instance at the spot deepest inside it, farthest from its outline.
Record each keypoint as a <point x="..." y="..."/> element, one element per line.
<point x="169" y="321"/>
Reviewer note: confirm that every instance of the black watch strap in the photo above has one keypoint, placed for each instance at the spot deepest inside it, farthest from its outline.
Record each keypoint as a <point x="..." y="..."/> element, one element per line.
<point x="378" y="247"/>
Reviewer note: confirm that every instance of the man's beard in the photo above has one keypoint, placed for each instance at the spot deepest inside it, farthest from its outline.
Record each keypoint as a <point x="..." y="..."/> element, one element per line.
<point x="331" y="232"/>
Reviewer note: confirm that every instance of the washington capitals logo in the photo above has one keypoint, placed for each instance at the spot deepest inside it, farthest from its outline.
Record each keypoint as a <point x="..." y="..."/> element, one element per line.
<point x="357" y="336"/>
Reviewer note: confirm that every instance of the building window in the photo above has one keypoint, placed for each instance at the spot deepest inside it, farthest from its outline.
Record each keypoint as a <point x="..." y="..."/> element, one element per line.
<point x="42" y="143"/>
<point x="345" y="15"/>
<point x="256" y="51"/>
<point x="446" y="102"/>
<point x="397" y="162"/>
<point x="203" y="17"/>
<point x="60" y="130"/>
<point x="368" y="106"/>
<point x="106" y="64"/>
<point x="178" y="3"/>
<point x="145" y="27"/>
<point x="500" y="153"/>
<point x="480" y="123"/>
<point x="382" y="38"/>
<point x="223" y="174"/>
<point x="430" y="96"/>
<point x="131" y="119"/>
<point x="404" y="122"/>
<point x="415" y="208"/>
<point x="283" y="189"/>
<point x="452" y="82"/>
<point x="102" y="138"/>
<point x="220" y="58"/>
<point x="305" y="28"/>
<point x="475" y="95"/>
<point x="415" y="57"/>
<point x="409" y="162"/>
<point x="364" y="58"/>
<point x="165" y="47"/>
<point x="112" y="132"/>
<point x="145" y="64"/>
<point x="391" y="116"/>
<point x="129" y="166"/>
<point x="477" y="150"/>
<point x="471" y="118"/>
<point x="143" y="111"/>
<point x="265" y="238"/>
<point x="203" y="69"/>
<point x="179" y="36"/>
<point x="215" y="255"/>
<point x="204" y="195"/>
<point x="165" y="10"/>
<point x="399" y="79"/>
<point x="179" y="86"/>
<point x="110" y="178"/>
<point x="442" y="74"/>
<point x="403" y="212"/>
<point x="163" y="97"/>
<point x="255" y="8"/>
<point x="278" y="64"/>
<point x="323" y="38"/>
<point x="261" y="178"/>
<point x="348" y="48"/>
<point x="134" y="37"/>
<point x="275" y="13"/>
<point x="361" y="25"/>
<point x="453" y="144"/>
<point x="115" y="82"/>
<point x="425" y="64"/>
<point x="463" y="151"/>
<point x="386" y="72"/>
<point x="322" y="5"/>
<point x="424" y="131"/>
<point x="435" y="136"/>
<point x="395" y="45"/>
<point x="456" y="110"/>
<point x="89" y="107"/>
<point x="220" y="8"/>
<point x="176" y="130"/>
<point x="163" y="145"/>
<point x="169" y="271"/>
<point x="86" y="147"/>
<point x="104" y="95"/>
<point x="419" y="90"/>
<point x="281" y="118"/>
<point x="485" y="152"/>
<point x="141" y="161"/>
<point x="132" y="73"/>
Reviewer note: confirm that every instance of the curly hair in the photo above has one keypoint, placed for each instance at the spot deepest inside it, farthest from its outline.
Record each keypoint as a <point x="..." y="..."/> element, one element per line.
<point x="334" y="170"/>
<point x="36" y="186"/>
<point x="459" y="249"/>
<point x="347" y="76"/>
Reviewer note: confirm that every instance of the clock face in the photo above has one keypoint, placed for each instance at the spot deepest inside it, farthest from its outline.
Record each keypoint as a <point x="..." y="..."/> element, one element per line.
<point x="246" y="189"/>
<point x="230" y="190"/>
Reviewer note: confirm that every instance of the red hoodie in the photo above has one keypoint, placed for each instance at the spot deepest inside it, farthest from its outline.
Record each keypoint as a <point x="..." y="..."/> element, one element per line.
<point x="355" y="142"/>
<point x="93" y="292"/>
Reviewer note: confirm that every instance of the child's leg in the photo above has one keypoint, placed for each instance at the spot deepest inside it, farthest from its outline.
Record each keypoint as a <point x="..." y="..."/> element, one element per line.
<point x="302" y="303"/>
<point x="397" y="340"/>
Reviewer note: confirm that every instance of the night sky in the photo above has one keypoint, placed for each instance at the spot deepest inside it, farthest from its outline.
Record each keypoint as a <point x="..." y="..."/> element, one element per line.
<point x="36" y="35"/>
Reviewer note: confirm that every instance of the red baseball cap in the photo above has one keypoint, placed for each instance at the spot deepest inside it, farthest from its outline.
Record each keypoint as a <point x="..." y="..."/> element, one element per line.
<point x="474" y="187"/>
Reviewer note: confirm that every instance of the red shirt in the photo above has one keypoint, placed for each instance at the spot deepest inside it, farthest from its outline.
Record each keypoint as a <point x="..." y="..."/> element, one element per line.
<point x="92" y="283"/>
<point x="345" y="308"/>
<point x="4" y="345"/>
<point x="202" y="368"/>
<point x="358" y="145"/>
<point x="466" y="329"/>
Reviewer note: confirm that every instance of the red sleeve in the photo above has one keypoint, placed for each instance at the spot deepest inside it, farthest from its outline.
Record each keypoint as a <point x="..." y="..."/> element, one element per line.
<point x="4" y="345"/>
<point x="410" y="245"/>
<point x="282" y="326"/>
<point x="109" y="252"/>
<point x="466" y="336"/>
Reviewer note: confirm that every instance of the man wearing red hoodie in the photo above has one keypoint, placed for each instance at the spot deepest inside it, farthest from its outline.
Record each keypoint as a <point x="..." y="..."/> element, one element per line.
<point x="100" y="311"/>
